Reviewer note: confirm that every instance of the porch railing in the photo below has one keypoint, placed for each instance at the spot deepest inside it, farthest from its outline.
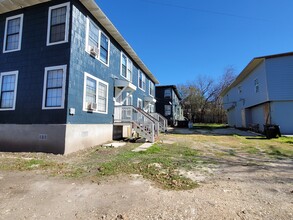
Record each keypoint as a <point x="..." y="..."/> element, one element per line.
<point x="163" y="122"/>
<point x="141" y="122"/>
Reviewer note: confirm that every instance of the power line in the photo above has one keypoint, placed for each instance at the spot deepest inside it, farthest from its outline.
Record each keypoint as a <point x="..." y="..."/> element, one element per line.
<point x="202" y="10"/>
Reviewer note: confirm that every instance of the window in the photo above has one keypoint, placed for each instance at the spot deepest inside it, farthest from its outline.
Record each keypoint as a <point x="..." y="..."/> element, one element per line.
<point x="167" y="93"/>
<point x="139" y="103"/>
<point x="167" y="110"/>
<point x="256" y="85"/>
<point x="141" y="80"/>
<point x="95" y="94"/>
<point x="152" y="89"/>
<point x="54" y="87"/>
<point x="13" y="33"/>
<point x="8" y="87"/>
<point x="97" y="43"/>
<point x="126" y="67"/>
<point x="239" y="89"/>
<point x="58" y="24"/>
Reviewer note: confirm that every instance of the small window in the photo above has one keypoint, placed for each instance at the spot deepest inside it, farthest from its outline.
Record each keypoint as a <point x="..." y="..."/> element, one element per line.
<point x="13" y="33"/>
<point x="126" y="67"/>
<point x="141" y="80"/>
<point x="239" y="89"/>
<point x="8" y="87"/>
<point x="95" y="94"/>
<point x="167" y="110"/>
<point x="54" y="87"/>
<point x="139" y="103"/>
<point x="97" y="43"/>
<point x="58" y="24"/>
<point x="167" y="93"/>
<point x="256" y="85"/>
<point x="152" y="89"/>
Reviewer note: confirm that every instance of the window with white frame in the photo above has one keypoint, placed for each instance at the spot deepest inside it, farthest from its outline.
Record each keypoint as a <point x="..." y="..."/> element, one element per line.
<point x="256" y="85"/>
<point x="97" y="43"/>
<point x="13" y="33"/>
<point x="152" y="89"/>
<point x="8" y="87"/>
<point x="95" y="94"/>
<point x="167" y="110"/>
<point x="58" y="24"/>
<point x="139" y="103"/>
<point x="141" y="80"/>
<point x="126" y="67"/>
<point x="54" y="87"/>
<point x="167" y="93"/>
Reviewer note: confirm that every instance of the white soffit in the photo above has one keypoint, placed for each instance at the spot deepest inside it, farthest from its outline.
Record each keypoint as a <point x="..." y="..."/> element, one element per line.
<point x="11" y="5"/>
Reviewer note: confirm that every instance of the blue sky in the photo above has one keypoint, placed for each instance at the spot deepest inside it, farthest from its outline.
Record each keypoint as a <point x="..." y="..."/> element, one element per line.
<point x="179" y="40"/>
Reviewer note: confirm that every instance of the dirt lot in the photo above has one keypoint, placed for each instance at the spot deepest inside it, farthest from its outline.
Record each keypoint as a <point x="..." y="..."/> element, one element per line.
<point x="240" y="181"/>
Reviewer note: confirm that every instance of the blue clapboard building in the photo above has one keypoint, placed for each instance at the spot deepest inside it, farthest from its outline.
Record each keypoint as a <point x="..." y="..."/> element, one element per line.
<point x="68" y="79"/>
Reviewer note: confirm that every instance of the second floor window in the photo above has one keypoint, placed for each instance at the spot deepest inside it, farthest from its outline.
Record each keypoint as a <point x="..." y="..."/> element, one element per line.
<point x="126" y="67"/>
<point x="141" y="80"/>
<point x="167" y="93"/>
<point x="58" y="24"/>
<point x="97" y="43"/>
<point x="13" y="33"/>
<point x="152" y="89"/>
<point x="256" y="85"/>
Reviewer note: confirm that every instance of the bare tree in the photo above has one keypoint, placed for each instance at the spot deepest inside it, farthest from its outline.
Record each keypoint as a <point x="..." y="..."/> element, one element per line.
<point x="201" y="98"/>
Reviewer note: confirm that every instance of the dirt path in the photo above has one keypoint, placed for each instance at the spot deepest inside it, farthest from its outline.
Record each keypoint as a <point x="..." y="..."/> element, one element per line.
<point x="240" y="187"/>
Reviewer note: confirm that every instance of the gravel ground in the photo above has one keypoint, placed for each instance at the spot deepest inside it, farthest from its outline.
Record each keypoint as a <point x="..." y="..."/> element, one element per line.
<point x="232" y="189"/>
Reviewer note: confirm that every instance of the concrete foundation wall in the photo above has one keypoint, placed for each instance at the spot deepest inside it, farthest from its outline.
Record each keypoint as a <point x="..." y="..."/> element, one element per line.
<point x="32" y="138"/>
<point x="79" y="137"/>
<point x="57" y="139"/>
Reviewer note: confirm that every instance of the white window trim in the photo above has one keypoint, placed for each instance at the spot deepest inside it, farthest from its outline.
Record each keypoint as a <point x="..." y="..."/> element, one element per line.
<point x="20" y="33"/>
<point x="97" y="89"/>
<point x="256" y="85"/>
<point x="88" y="20"/>
<point x="64" y="68"/>
<point x="144" y="77"/>
<point x="15" y="88"/>
<point x="128" y="78"/>
<point x="151" y="83"/>
<point x="66" y="23"/>
<point x="138" y="101"/>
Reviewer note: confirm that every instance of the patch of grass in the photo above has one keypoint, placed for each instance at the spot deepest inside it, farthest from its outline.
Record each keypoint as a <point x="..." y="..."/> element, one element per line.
<point x="284" y="139"/>
<point x="21" y="164"/>
<point x="209" y="126"/>
<point x="279" y="152"/>
<point x="251" y="150"/>
<point x="159" y="163"/>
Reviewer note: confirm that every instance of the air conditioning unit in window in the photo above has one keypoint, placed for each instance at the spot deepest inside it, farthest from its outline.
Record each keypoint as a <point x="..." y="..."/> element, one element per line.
<point x="94" y="51"/>
<point x="91" y="106"/>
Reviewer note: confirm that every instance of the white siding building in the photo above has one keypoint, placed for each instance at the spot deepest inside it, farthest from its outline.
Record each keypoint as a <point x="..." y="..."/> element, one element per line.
<point x="262" y="94"/>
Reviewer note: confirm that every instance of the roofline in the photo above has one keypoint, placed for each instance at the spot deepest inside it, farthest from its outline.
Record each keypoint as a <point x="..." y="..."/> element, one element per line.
<point x="174" y="88"/>
<point x="250" y="67"/>
<point x="95" y="10"/>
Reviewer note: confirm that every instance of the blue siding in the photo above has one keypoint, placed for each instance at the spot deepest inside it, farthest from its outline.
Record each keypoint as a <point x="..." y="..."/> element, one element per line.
<point x="31" y="61"/>
<point x="280" y="78"/>
<point x="81" y="61"/>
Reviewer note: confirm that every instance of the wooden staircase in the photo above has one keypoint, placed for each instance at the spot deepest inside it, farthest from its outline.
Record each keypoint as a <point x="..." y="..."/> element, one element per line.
<point x="144" y="124"/>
